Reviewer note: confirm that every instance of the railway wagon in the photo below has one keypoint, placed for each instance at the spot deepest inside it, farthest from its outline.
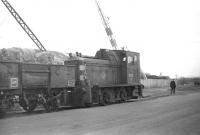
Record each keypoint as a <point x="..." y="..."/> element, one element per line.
<point x="30" y="83"/>
<point x="110" y="76"/>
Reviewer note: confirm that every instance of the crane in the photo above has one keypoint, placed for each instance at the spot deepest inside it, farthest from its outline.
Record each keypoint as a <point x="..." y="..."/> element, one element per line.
<point x="109" y="32"/>
<point x="107" y="27"/>
<point x="24" y="26"/>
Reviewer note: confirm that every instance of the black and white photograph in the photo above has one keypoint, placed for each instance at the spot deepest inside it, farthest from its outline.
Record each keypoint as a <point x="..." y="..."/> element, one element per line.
<point x="100" y="67"/>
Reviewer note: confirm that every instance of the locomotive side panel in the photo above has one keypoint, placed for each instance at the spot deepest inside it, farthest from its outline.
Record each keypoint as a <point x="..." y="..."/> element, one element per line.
<point x="62" y="76"/>
<point x="9" y="78"/>
<point x="101" y="72"/>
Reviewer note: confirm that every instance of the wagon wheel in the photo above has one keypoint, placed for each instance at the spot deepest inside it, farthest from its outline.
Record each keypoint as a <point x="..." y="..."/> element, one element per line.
<point x="50" y="105"/>
<point x="47" y="107"/>
<point x="30" y="107"/>
<point x="123" y="94"/>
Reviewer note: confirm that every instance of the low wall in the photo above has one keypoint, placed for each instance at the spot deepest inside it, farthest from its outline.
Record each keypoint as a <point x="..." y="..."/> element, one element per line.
<point x="155" y="83"/>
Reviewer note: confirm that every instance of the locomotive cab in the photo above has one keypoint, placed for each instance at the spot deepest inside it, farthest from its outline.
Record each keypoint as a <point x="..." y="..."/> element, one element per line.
<point x="129" y="63"/>
<point x="131" y="68"/>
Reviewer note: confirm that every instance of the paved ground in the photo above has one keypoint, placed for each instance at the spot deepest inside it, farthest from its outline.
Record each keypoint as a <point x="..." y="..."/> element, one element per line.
<point x="155" y="92"/>
<point x="171" y="115"/>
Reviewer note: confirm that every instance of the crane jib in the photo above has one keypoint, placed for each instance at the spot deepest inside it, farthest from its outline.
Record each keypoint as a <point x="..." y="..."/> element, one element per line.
<point x="107" y="27"/>
<point x="24" y="26"/>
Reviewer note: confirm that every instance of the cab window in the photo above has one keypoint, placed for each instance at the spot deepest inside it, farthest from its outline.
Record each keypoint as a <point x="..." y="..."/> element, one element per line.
<point x="132" y="59"/>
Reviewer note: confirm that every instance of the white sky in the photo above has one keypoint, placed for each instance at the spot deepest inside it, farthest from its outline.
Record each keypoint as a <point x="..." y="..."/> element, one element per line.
<point x="165" y="32"/>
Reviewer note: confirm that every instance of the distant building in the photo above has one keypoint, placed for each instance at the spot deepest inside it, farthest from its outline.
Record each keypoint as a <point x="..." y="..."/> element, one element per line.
<point x="154" y="81"/>
<point x="149" y="76"/>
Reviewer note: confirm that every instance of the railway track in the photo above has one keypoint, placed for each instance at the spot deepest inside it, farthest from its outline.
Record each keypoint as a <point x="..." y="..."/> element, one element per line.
<point x="19" y="112"/>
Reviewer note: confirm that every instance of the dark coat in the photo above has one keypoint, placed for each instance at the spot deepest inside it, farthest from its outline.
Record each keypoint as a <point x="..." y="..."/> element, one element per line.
<point x="172" y="84"/>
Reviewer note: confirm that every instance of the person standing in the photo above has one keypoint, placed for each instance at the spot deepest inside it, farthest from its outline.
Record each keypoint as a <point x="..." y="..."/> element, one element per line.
<point x="140" y="93"/>
<point x="173" y="86"/>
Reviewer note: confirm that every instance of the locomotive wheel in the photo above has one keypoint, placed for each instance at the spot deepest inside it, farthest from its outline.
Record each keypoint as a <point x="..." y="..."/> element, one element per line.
<point x="2" y="113"/>
<point x="106" y="97"/>
<point x="122" y="94"/>
<point x="30" y="107"/>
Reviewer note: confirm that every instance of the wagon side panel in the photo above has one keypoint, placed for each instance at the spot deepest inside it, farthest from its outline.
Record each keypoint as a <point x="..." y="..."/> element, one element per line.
<point x="35" y="75"/>
<point x="9" y="75"/>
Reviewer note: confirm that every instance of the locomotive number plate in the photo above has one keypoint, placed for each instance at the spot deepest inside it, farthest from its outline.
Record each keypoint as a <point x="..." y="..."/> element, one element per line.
<point x="13" y="82"/>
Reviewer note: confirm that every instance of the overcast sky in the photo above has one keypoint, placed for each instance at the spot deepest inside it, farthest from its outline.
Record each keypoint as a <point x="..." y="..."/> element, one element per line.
<point x="166" y="33"/>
